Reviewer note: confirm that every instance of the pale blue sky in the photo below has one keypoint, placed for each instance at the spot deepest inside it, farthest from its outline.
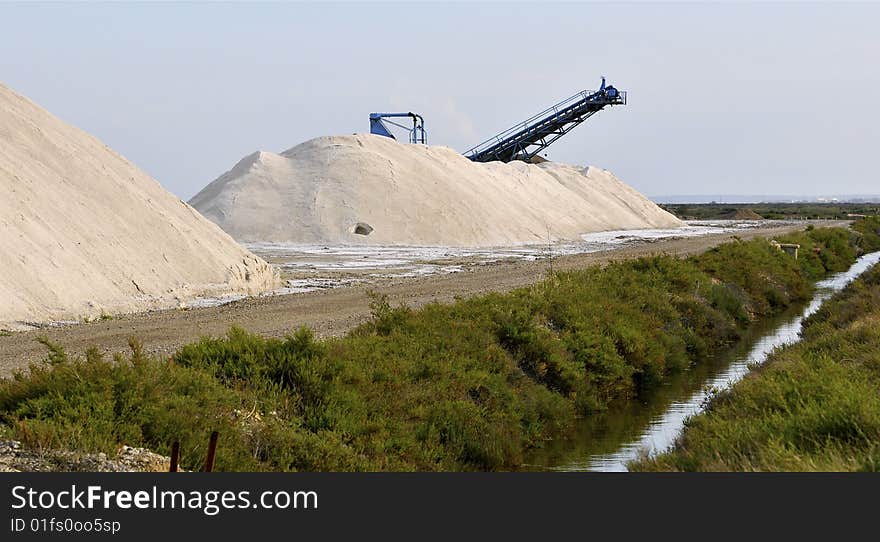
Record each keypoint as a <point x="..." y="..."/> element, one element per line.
<point x="724" y="99"/>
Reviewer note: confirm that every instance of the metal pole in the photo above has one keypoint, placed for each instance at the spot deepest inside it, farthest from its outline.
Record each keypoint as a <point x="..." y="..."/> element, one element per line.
<point x="212" y="447"/>
<point x="175" y="456"/>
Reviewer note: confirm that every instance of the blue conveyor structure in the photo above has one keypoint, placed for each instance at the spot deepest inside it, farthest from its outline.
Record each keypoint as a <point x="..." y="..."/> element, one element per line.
<point x="525" y="140"/>
<point x="417" y="133"/>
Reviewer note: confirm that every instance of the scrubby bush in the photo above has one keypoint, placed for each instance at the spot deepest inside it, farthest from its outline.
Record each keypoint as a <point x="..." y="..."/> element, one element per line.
<point x="93" y="404"/>
<point x="868" y="230"/>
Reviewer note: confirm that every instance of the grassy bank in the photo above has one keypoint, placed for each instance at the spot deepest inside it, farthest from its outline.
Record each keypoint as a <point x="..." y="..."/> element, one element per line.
<point x="814" y="406"/>
<point x="465" y="386"/>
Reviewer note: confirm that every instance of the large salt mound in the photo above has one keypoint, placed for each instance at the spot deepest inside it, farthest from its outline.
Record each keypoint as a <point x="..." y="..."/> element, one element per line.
<point x="83" y="231"/>
<point x="321" y="190"/>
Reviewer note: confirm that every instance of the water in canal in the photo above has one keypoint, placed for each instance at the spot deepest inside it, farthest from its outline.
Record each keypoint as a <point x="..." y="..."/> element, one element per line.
<point x="607" y="442"/>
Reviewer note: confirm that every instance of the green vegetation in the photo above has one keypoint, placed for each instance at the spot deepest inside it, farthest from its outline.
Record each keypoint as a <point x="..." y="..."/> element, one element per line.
<point x="814" y="406"/>
<point x="775" y="211"/>
<point x="869" y="230"/>
<point x="465" y="386"/>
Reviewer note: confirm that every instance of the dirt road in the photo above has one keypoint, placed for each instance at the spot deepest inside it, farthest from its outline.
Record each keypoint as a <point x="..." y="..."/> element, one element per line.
<point x="328" y="312"/>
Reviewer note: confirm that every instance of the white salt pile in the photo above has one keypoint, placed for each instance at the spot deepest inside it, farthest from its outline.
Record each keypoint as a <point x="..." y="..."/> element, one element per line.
<point x="85" y="232"/>
<point x="368" y="189"/>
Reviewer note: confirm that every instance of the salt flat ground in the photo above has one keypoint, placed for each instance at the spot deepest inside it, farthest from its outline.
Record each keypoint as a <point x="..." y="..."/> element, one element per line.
<point x="327" y="287"/>
<point x="307" y="267"/>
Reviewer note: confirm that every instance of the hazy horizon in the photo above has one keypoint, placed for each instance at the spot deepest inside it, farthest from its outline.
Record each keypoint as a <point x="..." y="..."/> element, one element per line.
<point x="723" y="99"/>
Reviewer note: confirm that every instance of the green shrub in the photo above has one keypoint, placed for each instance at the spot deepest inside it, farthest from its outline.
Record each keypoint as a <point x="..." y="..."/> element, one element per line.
<point x="94" y="405"/>
<point x="868" y="231"/>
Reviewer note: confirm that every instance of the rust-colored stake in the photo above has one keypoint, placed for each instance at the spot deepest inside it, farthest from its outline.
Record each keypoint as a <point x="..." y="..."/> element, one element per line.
<point x="212" y="447"/>
<point x="175" y="456"/>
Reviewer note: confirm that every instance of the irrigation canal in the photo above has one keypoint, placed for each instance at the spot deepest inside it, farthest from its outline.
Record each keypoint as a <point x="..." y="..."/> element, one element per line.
<point x="607" y="442"/>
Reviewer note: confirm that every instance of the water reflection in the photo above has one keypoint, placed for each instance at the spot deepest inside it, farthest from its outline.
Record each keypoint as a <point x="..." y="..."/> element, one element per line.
<point x="609" y="441"/>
